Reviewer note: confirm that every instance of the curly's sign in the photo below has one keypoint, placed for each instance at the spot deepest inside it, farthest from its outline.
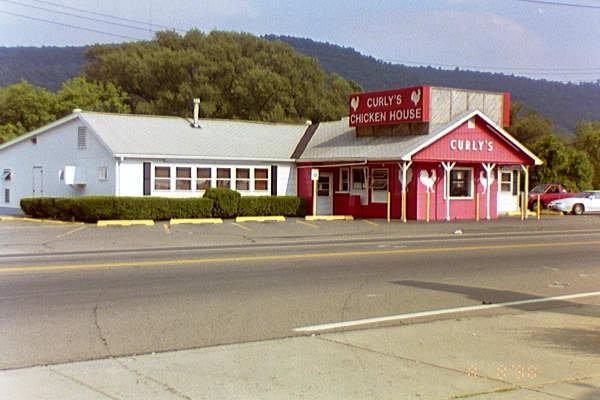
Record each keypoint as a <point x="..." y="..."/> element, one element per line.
<point x="389" y="107"/>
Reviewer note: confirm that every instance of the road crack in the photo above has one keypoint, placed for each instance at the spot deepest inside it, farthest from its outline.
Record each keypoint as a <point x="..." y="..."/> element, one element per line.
<point x="140" y="376"/>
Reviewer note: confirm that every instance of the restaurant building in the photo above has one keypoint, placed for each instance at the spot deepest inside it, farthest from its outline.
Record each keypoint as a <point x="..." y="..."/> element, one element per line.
<point x="422" y="152"/>
<point x="431" y="153"/>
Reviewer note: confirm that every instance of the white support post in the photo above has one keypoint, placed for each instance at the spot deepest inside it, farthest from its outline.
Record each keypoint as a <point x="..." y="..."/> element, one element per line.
<point x="525" y="189"/>
<point x="447" y="169"/>
<point x="405" y="166"/>
<point x="489" y="168"/>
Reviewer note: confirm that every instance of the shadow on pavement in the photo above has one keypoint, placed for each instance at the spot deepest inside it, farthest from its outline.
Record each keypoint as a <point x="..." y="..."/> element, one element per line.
<point x="494" y="296"/>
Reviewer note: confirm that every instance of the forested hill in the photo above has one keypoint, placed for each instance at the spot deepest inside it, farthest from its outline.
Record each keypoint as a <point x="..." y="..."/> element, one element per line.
<point x="565" y="104"/>
<point x="43" y="66"/>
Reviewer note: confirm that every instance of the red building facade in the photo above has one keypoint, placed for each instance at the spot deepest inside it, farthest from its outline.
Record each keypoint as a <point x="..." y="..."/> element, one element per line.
<point x="433" y="153"/>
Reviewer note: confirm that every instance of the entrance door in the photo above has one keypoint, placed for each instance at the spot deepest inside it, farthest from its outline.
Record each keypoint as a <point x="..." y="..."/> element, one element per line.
<point x="38" y="181"/>
<point x="325" y="194"/>
<point x="507" y="191"/>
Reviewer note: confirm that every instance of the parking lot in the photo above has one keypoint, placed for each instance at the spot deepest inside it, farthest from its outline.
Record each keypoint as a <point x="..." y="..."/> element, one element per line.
<point x="27" y="236"/>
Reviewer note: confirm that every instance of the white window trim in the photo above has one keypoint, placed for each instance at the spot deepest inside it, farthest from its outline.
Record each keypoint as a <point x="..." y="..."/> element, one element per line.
<point x="249" y="180"/>
<point x="195" y="179"/>
<point x="446" y="185"/>
<point x="387" y="170"/>
<point x="254" y="179"/>
<point x="170" y="178"/>
<point x="340" y="188"/>
<point x="103" y="174"/>
<point x="190" y="179"/>
<point x="500" y="181"/>
<point x="231" y="175"/>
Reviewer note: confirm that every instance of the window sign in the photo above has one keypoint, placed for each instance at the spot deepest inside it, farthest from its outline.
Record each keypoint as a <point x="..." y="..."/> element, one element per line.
<point x="314" y="174"/>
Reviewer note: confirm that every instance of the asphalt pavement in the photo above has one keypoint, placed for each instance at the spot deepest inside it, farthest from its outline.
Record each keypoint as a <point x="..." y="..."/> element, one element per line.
<point x="70" y="293"/>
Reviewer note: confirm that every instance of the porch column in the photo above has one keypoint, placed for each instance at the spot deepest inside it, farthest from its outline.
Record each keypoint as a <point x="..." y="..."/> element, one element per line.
<point x="526" y="189"/>
<point x="447" y="169"/>
<point x="489" y="168"/>
<point x="405" y="166"/>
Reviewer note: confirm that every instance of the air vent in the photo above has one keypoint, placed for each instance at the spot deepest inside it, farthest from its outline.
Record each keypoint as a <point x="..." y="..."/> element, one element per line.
<point x="82" y="138"/>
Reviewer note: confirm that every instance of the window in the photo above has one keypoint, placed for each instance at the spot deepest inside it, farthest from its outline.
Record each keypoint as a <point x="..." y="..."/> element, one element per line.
<point x="203" y="178"/>
<point x="506" y="181"/>
<point x="103" y="173"/>
<point x="183" y="178"/>
<point x="461" y="183"/>
<point x="162" y="178"/>
<point x="359" y="179"/>
<point x="380" y="186"/>
<point x="323" y="185"/>
<point x="261" y="179"/>
<point x="344" y="179"/>
<point x="7" y="195"/>
<point x="82" y="138"/>
<point x="471" y="123"/>
<point x="224" y="178"/>
<point x="7" y="175"/>
<point x="242" y="179"/>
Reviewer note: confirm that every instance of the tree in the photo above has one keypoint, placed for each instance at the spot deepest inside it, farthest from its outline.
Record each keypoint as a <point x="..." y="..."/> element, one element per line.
<point x="588" y="140"/>
<point x="527" y="125"/>
<point x="236" y="75"/>
<point x="26" y="105"/>
<point x="562" y="163"/>
<point x="91" y="96"/>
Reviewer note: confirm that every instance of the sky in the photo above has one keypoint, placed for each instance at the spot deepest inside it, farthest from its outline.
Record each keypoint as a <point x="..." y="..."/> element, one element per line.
<point x="530" y="38"/>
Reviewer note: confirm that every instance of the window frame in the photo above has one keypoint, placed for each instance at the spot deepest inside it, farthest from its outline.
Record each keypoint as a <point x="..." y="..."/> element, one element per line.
<point x="387" y="184"/>
<point x="365" y="183"/>
<point x="266" y="180"/>
<point x="187" y="179"/>
<point x="217" y="179"/>
<point x="203" y="179"/>
<point x="102" y="173"/>
<point x="245" y="181"/>
<point x="448" y="186"/>
<point x="341" y="180"/>
<point x="501" y="181"/>
<point x="162" y="179"/>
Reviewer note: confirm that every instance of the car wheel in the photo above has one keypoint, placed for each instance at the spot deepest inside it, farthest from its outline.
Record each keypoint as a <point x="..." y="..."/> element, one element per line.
<point x="578" y="209"/>
<point x="534" y="206"/>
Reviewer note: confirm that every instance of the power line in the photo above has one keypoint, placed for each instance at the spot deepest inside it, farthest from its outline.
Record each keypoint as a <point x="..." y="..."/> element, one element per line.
<point x="135" y="21"/>
<point x="71" y="26"/>
<point x="561" y="4"/>
<point x="78" y="16"/>
<point x="539" y="70"/>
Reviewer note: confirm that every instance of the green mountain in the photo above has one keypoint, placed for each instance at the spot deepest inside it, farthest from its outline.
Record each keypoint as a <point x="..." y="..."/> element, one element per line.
<point x="563" y="103"/>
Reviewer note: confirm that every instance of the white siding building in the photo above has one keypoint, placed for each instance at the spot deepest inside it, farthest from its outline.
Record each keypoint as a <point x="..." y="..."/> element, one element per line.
<point x="89" y="153"/>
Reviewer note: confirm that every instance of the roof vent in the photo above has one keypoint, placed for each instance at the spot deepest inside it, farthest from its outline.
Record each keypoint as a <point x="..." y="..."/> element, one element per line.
<point x="77" y="110"/>
<point x="195" y="123"/>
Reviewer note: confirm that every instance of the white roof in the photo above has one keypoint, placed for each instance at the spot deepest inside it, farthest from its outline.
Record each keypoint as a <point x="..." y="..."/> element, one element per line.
<point x="142" y="135"/>
<point x="337" y="141"/>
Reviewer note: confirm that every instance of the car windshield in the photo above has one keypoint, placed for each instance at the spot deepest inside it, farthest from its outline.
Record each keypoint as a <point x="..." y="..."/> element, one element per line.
<point x="538" y="189"/>
<point x="586" y="194"/>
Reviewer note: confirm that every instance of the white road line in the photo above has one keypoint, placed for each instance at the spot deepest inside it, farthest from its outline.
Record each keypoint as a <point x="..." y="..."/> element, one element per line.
<point x="82" y="227"/>
<point x="399" y="317"/>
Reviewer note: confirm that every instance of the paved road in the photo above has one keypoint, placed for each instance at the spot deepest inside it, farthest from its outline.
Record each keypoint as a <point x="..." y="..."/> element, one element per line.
<point x="60" y="308"/>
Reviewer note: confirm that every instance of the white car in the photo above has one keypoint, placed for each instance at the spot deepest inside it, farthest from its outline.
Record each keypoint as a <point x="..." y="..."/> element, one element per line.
<point x="585" y="202"/>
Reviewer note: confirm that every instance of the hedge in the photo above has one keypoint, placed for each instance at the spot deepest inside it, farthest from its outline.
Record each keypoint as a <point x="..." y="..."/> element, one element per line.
<point x="94" y="208"/>
<point x="289" y="206"/>
<point x="223" y="203"/>
<point x="226" y="202"/>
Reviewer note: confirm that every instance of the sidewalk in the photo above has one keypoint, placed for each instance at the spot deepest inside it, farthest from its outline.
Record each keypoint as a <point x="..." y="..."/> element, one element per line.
<point x="535" y="355"/>
<point x="18" y="237"/>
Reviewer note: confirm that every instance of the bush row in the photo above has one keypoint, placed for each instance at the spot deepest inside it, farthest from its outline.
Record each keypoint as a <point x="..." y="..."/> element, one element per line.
<point x="221" y="203"/>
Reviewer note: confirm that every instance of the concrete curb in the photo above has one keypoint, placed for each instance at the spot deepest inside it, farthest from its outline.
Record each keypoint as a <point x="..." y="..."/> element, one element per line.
<point x="179" y="221"/>
<point x="273" y="218"/>
<point x="124" y="222"/>
<point x="329" y="218"/>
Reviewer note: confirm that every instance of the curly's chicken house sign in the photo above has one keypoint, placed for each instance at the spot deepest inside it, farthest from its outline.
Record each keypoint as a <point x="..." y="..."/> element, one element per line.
<point x="389" y="107"/>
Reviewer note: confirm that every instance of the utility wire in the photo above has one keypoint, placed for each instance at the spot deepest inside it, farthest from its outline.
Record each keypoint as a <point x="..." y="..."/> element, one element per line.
<point x="71" y="26"/>
<point x="135" y="21"/>
<point x="499" y="68"/>
<point x="561" y="4"/>
<point x="79" y="16"/>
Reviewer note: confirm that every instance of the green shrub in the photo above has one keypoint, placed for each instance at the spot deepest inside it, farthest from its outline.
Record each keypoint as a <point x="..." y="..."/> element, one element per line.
<point x="289" y="206"/>
<point x="226" y="202"/>
<point x="94" y="208"/>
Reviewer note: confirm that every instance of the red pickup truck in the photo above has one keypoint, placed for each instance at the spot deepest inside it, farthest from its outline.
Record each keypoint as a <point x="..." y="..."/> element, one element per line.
<point x="548" y="192"/>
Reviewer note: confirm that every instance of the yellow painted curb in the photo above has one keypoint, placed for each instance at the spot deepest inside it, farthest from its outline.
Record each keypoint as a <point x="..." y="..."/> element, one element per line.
<point x="329" y="217"/>
<point x="124" y="222"/>
<point x="178" y="221"/>
<point x="551" y="212"/>
<point x="28" y="219"/>
<point x="268" y="218"/>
